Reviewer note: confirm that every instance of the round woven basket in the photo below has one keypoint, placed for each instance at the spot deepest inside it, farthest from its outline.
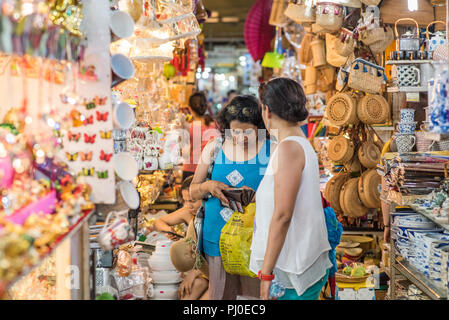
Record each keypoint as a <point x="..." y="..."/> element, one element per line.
<point x="342" y="109"/>
<point x="333" y="188"/>
<point x="349" y="199"/>
<point x="340" y="149"/>
<point x="373" y="109"/>
<point x="369" y="155"/>
<point x="353" y="165"/>
<point x="368" y="189"/>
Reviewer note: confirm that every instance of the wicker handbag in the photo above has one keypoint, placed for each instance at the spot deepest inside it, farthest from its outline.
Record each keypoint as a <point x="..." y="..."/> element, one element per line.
<point x="349" y="199"/>
<point x="353" y="165"/>
<point x="369" y="154"/>
<point x="366" y="76"/>
<point x="373" y="109"/>
<point x="332" y="57"/>
<point x="380" y="46"/>
<point x="301" y="11"/>
<point x="368" y="189"/>
<point x="341" y="109"/>
<point x="333" y="188"/>
<point x="311" y="76"/>
<point x="346" y="43"/>
<point x="340" y="149"/>
<point x="330" y="16"/>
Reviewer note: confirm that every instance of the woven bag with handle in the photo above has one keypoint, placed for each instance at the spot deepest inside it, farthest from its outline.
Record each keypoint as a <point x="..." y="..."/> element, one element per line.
<point x="366" y="76"/>
<point x="368" y="189"/>
<point x="341" y="109"/>
<point x="341" y="149"/>
<point x="373" y="109"/>
<point x="350" y="201"/>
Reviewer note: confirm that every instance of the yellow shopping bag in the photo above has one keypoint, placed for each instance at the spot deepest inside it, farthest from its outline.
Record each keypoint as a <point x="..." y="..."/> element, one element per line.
<point x="235" y="242"/>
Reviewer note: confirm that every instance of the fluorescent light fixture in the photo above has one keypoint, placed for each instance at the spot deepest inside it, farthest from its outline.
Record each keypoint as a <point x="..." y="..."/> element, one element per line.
<point x="214" y="14"/>
<point x="212" y="20"/>
<point x="412" y="5"/>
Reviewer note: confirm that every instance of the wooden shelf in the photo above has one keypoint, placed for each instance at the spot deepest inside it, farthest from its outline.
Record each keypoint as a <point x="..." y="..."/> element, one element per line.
<point x="407" y="89"/>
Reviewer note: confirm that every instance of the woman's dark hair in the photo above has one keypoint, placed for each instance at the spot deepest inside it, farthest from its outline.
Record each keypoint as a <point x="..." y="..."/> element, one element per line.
<point x="198" y="103"/>
<point x="185" y="185"/>
<point x="244" y="108"/>
<point x="285" y="98"/>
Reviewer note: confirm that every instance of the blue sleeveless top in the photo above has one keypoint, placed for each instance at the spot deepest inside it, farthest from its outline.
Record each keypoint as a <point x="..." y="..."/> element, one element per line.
<point x="233" y="173"/>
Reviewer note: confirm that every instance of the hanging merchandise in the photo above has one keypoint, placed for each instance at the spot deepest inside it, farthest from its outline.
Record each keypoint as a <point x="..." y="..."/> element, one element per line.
<point x="318" y="52"/>
<point x="346" y="43"/>
<point x="350" y="201"/>
<point x="294" y="33"/>
<point x="341" y="149"/>
<point x="369" y="154"/>
<point x="439" y="120"/>
<point x="366" y="76"/>
<point x="277" y="16"/>
<point x="330" y="16"/>
<point x="301" y="11"/>
<point x="332" y="56"/>
<point x="333" y="189"/>
<point x="373" y="109"/>
<point x="368" y="189"/>
<point x="341" y="109"/>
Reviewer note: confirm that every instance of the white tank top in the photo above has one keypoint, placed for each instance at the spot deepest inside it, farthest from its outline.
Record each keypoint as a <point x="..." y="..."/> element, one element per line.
<point x="304" y="257"/>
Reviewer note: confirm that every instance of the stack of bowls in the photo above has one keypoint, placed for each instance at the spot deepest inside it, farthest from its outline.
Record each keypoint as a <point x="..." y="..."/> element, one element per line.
<point x="165" y="277"/>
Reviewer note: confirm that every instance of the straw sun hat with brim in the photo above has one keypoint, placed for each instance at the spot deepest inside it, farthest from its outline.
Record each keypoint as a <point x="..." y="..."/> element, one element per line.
<point x="333" y="188"/>
<point x="349" y="199"/>
<point x="368" y="189"/>
<point x="340" y="149"/>
<point x="342" y="109"/>
<point x="183" y="256"/>
<point x="353" y="252"/>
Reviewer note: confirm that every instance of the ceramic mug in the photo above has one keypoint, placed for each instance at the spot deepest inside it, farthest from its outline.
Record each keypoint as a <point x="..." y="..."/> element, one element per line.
<point x="123" y="115"/>
<point x="407" y="115"/>
<point x="406" y="127"/>
<point x="408" y="76"/>
<point x="122" y="69"/>
<point x="405" y="142"/>
<point x="150" y="162"/>
<point x="121" y="25"/>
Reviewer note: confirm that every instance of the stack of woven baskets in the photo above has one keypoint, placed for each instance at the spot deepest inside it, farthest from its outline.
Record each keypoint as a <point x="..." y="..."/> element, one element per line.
<point x="346" y="192"/>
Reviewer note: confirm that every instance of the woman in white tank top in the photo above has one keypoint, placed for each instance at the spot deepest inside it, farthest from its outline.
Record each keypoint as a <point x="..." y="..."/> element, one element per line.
<point x="290" y="237"/>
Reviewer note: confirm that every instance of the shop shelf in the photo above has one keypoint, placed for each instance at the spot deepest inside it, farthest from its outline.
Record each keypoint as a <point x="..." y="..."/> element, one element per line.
<point x="73" y="230"/>
<point x="391" y="62"/>
<point x="442" y="223"/>
<point x="419" y="280"/>
<point x="407" y="89"/>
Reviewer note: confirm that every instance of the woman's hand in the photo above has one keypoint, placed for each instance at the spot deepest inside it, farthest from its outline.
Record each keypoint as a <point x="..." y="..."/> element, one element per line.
<point x="172" y="237"/>
<point x="215" y="188"/>
<point x="265" y="289"/>
<point x="185" y="288"/>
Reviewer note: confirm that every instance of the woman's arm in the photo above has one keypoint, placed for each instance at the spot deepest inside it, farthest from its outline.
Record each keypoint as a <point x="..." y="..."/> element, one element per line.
<point x="199" y="186"/>
<point x="166" y="222"/>
<point x="287" y="177"/>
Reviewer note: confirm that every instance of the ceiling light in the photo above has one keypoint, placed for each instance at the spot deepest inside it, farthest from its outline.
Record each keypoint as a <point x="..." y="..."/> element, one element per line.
<point x="230" y="19"/>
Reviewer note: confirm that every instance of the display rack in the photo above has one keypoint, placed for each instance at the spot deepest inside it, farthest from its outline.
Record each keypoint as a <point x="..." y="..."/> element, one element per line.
<point x="75" y="229"/>
<point x="397" y="264"/>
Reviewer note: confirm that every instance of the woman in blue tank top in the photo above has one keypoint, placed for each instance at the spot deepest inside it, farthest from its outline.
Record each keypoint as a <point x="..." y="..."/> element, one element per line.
<point x="241" y="162"/>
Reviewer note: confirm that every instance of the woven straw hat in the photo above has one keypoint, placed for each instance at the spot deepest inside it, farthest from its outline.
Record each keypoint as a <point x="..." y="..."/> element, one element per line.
<point x="300" y="13"/>
<point x="353" y="252"/>
<point x="342" y="109"/>
<point x="340" y="149"/>
<point x="333" y="188"/>
<point x="373" y="109"/>
<point x="369" y="155"/>
<point x="349" y="199"/>
<point x="367" y="188"/>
